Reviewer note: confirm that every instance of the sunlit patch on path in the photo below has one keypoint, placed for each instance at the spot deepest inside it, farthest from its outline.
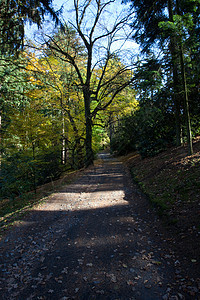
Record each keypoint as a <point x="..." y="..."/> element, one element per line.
<point x="97" y="190"/>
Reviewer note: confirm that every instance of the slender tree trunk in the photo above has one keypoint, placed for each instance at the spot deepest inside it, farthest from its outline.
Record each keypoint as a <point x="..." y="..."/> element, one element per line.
<point x="186" y="104"/>
<point x="88" y="122"/>
<point x="88" y="140"/>
<point x="111" y="127"/>
<point x="184" y="84"/>
<point x="34" y="171"/>
<point x="0" y="142"/>
<point x="78" y="147"/>
<point x="177" y="101"/>
<point x="63" y="158"/>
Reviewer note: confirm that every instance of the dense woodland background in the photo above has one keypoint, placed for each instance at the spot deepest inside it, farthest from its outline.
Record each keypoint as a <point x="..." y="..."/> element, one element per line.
<point x="79" y="91"/>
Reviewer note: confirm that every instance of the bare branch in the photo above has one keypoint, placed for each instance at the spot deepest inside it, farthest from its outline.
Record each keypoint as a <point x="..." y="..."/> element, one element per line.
<point x="79" y="22"/>
<point x="83" y="13"/>
<point x="70" y="59"/>
<point x="100" y="9"/>
<point x="115" y="28"/>
<point x="102" y="108"/>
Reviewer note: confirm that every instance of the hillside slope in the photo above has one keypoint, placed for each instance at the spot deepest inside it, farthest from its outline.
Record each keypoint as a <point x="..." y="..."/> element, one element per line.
<point x="171" y="180"/>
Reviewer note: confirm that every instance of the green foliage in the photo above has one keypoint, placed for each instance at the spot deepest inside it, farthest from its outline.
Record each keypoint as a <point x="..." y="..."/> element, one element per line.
<point x="100" y="138"/>
<point x="124" y="140"/>
<point x="16" y="176"/>
<point x="153" y="131"/>
<point x="48" y="166"/>
<point x="151" y="128"/>
<point x="180" y="27"/>
<point x="13" y="16"/>
<point x="148" y="130"/>
<point x="21" y="172"/>
<point x="147" y="15"/>
<point x="173" y="28"/>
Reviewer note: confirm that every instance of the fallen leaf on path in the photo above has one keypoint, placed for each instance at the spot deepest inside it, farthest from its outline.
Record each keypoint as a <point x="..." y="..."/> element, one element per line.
<point x="155" y="262"/>
<point x="130" y="282"/>
<point x="42" y="258"/>
<point x="100" y="292"/>
<point x="89" y="265"/>
<point x="65" y="270"/>
<point x="112" y="277"/>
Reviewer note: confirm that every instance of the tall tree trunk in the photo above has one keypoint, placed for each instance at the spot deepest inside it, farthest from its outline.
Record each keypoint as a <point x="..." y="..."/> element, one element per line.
<point x="87" y="101"/>
<point x="0" y="143"/>
<point x="177" y="103"/>
<point x="111" y="127"/>
<point x="63" y="156"/>
<point x="184" y="84"/>
<point x="34" y="170"/>
<point x="186" y="104"/>
<point x="88" y="122"/>
<point x="177" y="100"/>
<point x="78" y="146"/>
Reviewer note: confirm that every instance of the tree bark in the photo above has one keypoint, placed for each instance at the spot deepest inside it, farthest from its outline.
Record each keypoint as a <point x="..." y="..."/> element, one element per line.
<point x="88" y="122"/>
<point x="63" y="156"/>
<point x="78" y="147"/>
<point x="0" y="143"/>
<point x="177" y="100"/>
<point x="186" y="104"/>
<point x="184" y="84"/>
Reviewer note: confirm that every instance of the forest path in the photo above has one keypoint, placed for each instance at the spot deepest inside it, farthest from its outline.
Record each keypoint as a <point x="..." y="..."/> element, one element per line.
<point x="95" y="238"/>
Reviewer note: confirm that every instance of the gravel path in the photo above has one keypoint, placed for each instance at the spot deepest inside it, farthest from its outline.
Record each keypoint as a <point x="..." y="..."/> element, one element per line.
<point x="93" y="239"/>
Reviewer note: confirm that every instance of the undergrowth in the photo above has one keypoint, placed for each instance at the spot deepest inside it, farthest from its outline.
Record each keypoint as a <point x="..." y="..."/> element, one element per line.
<point x="13" y="209"/>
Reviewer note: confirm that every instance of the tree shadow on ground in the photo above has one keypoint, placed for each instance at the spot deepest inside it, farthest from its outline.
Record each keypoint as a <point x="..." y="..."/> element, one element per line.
<point x="100" y="247"/>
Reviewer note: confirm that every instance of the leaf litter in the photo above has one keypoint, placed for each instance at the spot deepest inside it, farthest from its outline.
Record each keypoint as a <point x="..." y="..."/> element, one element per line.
<point x="38" y="259"/>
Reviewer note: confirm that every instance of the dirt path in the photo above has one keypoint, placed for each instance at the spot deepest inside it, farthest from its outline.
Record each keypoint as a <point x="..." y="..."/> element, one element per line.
<point x="93" y="239"/>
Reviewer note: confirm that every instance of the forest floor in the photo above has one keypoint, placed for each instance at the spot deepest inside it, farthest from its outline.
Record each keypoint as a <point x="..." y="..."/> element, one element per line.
<point x="171" y="181"/>
<point x="98" y="238"/>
